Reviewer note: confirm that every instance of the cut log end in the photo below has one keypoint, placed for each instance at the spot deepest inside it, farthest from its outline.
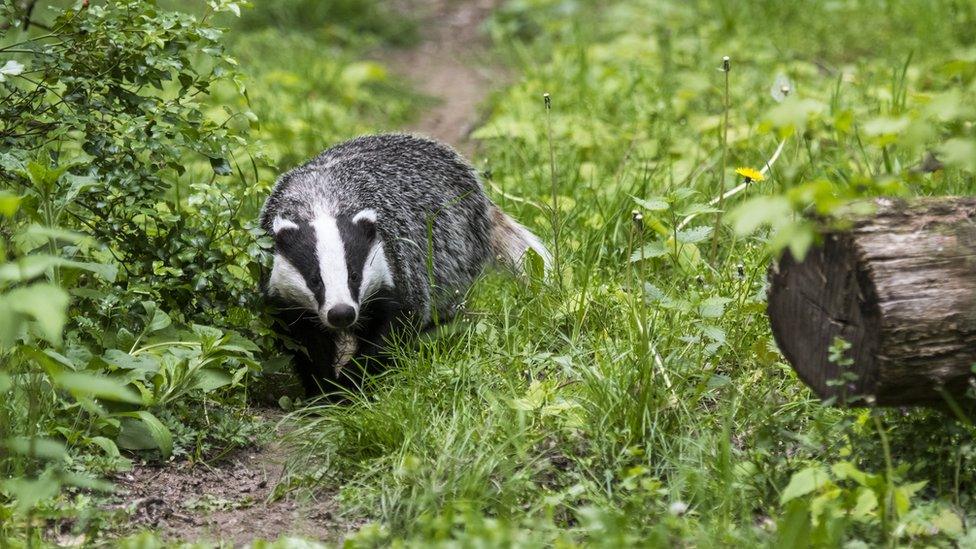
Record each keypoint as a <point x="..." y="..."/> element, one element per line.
<point x="900" y="287"/>
<point x="814" y="302"/>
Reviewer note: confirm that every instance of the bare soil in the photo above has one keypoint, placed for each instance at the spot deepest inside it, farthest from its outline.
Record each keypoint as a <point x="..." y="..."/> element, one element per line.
<point x="229" y="501"/>
<point x="452" y="64"/>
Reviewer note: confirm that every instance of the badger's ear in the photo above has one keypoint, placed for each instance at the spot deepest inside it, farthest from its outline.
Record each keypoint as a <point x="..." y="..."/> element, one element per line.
<point x="367" y="220"/>
<point x="280" y="224"/>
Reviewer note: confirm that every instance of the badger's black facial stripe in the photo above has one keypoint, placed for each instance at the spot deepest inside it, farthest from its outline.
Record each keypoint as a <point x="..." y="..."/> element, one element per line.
<point x="357" y="238"/>
<point x="298" y="247"/>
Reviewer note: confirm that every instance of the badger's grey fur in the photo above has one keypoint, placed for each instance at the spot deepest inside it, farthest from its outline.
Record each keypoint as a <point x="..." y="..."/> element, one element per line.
<point x="404" y="220"/>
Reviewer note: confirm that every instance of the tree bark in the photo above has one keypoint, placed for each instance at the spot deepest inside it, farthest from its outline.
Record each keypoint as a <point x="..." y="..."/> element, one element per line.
<point x="900" y="287"/>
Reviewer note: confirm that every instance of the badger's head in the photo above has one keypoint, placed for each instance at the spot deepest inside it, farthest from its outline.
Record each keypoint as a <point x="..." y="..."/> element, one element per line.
<point x="328" y="265"/>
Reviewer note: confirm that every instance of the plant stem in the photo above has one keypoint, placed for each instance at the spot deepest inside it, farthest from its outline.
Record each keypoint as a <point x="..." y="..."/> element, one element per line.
<point x="137" y="352"/>
<point x="726" y="68"/>
<point x="736" y="190"/>
<point x="889" y="507"/>
<point x="557" y="264"/>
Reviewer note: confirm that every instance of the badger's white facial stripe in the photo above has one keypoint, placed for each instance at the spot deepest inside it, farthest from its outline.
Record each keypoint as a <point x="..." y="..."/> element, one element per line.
<point x="289" y="284"/>
<point x="368" y="214"/>
<point x="280" y="224"/>
<point x="332" y="264"/>
<point x="376" y="272"/>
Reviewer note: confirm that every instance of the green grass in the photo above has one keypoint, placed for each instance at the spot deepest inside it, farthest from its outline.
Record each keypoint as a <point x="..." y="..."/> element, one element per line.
<point x="645" y="403"/>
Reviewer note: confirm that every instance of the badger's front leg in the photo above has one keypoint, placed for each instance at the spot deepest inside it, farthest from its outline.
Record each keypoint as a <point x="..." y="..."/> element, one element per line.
<point x="314" y="364"/>
<point x="381" y="317"/>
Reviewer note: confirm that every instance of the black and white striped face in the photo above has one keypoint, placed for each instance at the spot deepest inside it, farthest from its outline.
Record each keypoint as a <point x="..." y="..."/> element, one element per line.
<point x="328" y="265"/>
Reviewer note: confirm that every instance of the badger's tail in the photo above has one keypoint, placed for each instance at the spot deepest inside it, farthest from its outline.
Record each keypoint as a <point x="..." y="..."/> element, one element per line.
<point x="510" y="240"/>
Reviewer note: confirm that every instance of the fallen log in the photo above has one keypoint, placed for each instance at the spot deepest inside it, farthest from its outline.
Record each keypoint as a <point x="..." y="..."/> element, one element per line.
<point x="899" y="285"/>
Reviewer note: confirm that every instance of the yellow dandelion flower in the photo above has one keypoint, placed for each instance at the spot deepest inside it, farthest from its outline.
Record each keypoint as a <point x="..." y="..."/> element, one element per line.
<point x="751" y="174"/>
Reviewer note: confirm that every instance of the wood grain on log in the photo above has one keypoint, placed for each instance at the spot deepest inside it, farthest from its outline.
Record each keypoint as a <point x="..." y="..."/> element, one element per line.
<point x="900" y="287"/>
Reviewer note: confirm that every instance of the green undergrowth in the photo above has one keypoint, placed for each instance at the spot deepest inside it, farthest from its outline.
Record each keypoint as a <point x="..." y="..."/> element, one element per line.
<point x="635" y="397"/>
<point x="138" y="140"/>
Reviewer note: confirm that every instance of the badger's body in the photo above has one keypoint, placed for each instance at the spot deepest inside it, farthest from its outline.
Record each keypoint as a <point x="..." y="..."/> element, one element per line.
<point x="376" y="233"/>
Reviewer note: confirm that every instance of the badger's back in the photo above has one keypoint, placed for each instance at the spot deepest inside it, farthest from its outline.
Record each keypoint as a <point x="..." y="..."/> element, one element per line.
<point x="427" y="198"/>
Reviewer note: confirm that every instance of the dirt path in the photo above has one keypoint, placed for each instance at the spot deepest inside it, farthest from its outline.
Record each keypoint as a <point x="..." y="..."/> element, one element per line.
<point x="228" y="500"/>
<point x="225" y="501"/>
<point x="452" y="64"/>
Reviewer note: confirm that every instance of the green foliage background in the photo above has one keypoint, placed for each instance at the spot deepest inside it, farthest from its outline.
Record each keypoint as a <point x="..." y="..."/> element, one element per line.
<point x="634" y="399"/>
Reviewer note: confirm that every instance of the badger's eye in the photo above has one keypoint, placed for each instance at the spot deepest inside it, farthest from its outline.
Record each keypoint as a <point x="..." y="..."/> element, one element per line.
<point x="369" y="230"/>
<point x="315" y="285"/>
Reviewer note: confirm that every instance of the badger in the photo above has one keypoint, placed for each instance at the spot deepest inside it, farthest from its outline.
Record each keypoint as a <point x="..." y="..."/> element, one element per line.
<point x="377" y="236"/>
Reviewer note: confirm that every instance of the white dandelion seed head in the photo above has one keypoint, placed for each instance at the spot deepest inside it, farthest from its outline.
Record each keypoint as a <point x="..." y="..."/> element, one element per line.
<point x="678" y="508"/>
<point x="781" y="88"/>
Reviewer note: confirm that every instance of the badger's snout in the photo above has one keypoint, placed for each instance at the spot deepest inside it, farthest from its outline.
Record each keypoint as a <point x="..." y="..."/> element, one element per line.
<point x="340" y="316"/>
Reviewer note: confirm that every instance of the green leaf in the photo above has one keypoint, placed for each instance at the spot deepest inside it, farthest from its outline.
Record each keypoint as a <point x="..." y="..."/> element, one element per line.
<point x="84" y="384"/>
<point x="5" y="383"/>
<point x="884" y="125"/>
<point x="794" y="113"/>
<point x="844" y="470"/>
<point x="146" y="433"/>
<point x="649" y="251"/>
<point x="959" y="153"/>
<point x="210" y="379"/>
<point x="27" y="268"/>
<point x="761" y="210"/>
<point x="33" y="266"/>
<point x="948" y="522"/>
<point x="9" y="203"/>
<point x="653" y="294"/>
<point x="797" y="237"/>
<point x="29" y="492"/>
<point x="693" y="235"/>
<point x="793" y="527"/>
<point x="106" y="271"/>
<point x="689" y="256"/>
<point x="804" y="482"/>
<point x="158" y="319"/>
<point x="76" y="184"/>
<point x="535" y="265"/>
<point x="44" y="303"/>
<point x="44" y="177"/>
<point x="86" y="481"/>
<point x="717" y="381"/>
<point x="44" y="448"/>
<point x="867" y="502"/>
<point x="37" y="235"/>
<point x="654" y="204"/>
<point x="220" y="166"/>
<point x="107" y="446"/>
<point x="713" y="307"/>
<point x="145" y="362"/>
<point x="713" y="332"/>
<point x="903" y="496"/>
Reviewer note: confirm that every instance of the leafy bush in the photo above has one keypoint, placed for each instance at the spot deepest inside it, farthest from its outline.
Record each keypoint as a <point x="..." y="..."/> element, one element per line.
<point x="115" y="211"/>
